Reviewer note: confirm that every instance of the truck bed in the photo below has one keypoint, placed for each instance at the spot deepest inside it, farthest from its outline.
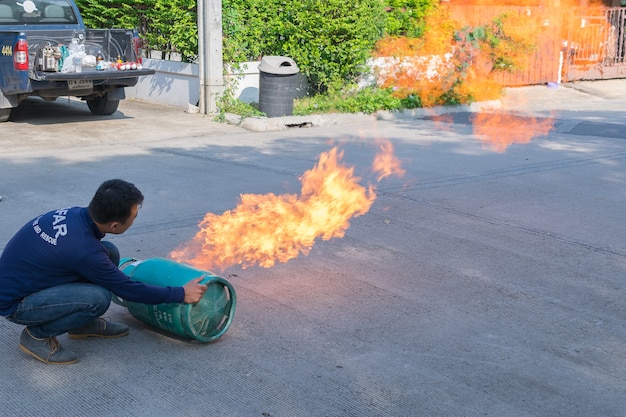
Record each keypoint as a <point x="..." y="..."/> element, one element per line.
<point x="39" y="38"/>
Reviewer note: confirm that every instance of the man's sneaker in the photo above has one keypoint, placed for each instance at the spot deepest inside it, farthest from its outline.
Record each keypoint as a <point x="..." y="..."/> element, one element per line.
<point x="47" y="349"/>
<point x="99" y="328"/>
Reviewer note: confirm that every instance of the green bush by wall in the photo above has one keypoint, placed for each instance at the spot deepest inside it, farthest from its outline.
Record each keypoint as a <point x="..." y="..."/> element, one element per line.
<point x="330" y="40"/>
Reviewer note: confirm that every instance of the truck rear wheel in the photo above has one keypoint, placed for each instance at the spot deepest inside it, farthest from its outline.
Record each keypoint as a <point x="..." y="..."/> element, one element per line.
<point x="102" y="106"/>
<point x="4" y="115"/>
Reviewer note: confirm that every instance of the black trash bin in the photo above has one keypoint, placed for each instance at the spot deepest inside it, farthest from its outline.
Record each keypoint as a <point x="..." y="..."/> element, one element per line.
<point x="278" y="78"/>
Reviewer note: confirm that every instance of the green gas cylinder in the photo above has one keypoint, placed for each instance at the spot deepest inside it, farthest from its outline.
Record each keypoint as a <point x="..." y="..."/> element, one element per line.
<point x="204" y="321"/>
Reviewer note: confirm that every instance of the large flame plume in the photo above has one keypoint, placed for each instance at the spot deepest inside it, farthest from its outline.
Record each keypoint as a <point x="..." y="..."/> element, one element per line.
<point x="270" y="228"/>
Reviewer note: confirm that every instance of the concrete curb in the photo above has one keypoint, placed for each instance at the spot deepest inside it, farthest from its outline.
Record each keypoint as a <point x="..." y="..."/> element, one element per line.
<point x="438" y="110"/>
<point x="267" y="124"/>
<point x="608" y="89"/>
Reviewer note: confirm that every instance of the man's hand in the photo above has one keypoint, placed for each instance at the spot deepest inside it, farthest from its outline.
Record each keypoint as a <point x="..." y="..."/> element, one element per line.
<point x="194" y="291"/>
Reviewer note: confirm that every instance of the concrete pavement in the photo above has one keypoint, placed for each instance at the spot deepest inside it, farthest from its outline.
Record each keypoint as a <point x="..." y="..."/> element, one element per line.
<point x="481" y="283"/>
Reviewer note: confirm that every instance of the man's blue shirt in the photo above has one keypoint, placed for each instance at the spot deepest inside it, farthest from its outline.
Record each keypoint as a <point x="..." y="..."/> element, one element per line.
<point x="63" y="246"/>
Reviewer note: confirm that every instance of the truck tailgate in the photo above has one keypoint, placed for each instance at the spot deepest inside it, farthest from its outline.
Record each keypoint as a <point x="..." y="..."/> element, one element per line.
<point x="93" y="75"/>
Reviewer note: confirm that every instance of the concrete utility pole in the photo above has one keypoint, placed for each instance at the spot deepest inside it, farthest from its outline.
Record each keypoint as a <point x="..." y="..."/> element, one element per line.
<point x="210" y="58"/>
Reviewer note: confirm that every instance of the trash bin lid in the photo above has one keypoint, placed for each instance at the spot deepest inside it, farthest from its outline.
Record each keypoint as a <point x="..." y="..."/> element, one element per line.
<point x="280" y="65"/>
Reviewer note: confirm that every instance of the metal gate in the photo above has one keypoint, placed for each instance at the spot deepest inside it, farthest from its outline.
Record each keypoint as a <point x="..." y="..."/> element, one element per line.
<point x="595" y="45"/>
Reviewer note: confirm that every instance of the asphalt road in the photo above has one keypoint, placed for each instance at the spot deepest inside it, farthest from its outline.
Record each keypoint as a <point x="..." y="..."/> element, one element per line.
<point x="480" y="283"/>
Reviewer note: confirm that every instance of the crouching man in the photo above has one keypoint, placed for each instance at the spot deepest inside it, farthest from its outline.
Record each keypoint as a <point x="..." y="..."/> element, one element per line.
<point x="56" y="275"/>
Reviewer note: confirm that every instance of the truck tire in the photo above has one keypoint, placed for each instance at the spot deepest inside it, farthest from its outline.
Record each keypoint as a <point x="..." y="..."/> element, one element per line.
<point x="4" y="115"/>
<point x="102" y="106"/>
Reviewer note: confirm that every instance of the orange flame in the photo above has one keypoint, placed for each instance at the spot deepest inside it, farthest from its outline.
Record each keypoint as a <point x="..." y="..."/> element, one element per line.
<point x="500" y="129"/>
<point x="265" y="229"/>
<point x="386" y="163"/>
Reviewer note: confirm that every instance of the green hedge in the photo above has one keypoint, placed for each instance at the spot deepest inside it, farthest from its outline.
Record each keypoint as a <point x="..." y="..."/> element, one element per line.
<point x="406" y="17"/>
<point x="329" y="40"/>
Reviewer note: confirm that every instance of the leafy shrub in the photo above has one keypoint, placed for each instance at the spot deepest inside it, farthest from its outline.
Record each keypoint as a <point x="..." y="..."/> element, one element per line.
<point x="111" y="13"/>
<point x="250" y="29"/>
<point x="512" y="38"/>
<point x="367" y="100"/>
<point x="227" y="103"/>
<point x="331" y="40"/>
<point x="165" y="25"/>
<point x="171" y="26"/>
<point x="406" y="17"/>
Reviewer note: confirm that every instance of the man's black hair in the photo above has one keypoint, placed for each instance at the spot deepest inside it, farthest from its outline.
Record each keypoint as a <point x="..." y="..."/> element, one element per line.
<point x="113" y="201"/>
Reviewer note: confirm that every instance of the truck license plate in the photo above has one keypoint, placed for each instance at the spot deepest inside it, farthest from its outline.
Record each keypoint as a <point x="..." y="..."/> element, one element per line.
<point x="80" y="84"/>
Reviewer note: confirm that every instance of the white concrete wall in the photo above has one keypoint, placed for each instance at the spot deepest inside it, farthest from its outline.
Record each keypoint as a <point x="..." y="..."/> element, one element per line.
<point x="175" y="83"/>
<point x="247" y="81"/>
<point x="178" y="84"/>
